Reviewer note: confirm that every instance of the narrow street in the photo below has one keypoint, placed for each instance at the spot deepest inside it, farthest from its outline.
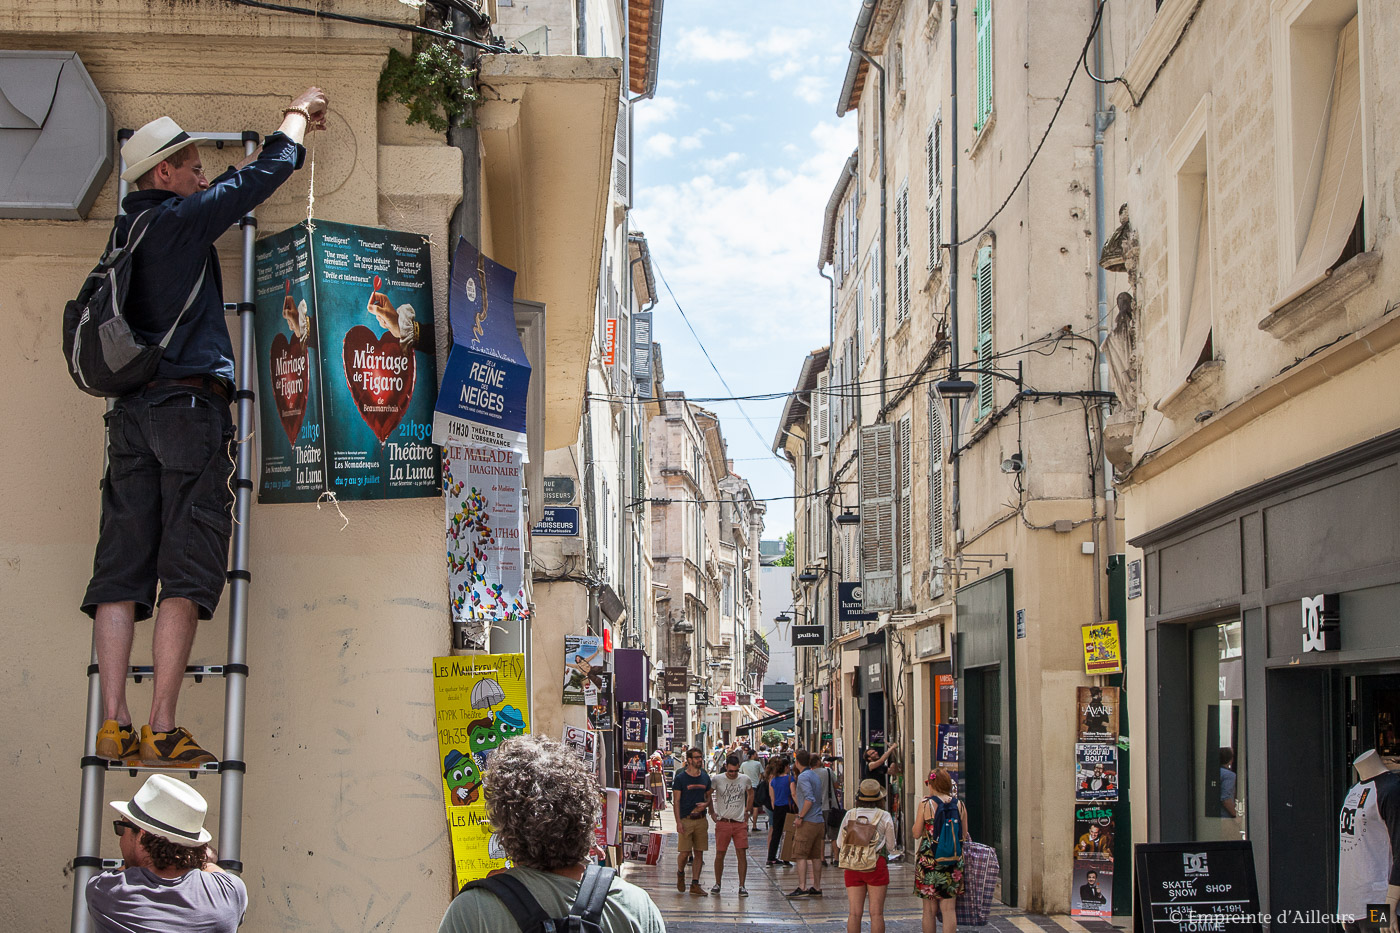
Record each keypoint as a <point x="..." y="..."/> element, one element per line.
<point x="767" y="908"/>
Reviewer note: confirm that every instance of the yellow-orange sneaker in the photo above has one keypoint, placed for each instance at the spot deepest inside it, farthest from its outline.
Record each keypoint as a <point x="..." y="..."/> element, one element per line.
<point x="118" y="742"/>
<point x="173" y="749"/>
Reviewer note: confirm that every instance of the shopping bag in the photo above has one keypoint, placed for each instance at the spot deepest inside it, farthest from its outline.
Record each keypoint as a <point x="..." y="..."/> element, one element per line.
<point x="981" y="872"/>
<point x="790" y="823"/>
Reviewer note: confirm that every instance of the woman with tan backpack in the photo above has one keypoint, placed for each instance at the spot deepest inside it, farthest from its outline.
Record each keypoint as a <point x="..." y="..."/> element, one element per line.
<point x="866" y="836"/>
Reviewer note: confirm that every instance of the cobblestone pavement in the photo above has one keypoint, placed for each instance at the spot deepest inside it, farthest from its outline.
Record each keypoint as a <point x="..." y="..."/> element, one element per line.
<point x="767" y="909"/>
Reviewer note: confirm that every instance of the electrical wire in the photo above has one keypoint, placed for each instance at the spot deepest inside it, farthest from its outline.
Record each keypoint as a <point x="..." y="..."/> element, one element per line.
<point x="382" y="24"/>
<point x="1064" y="96"/>
<point x="701" y="344"/>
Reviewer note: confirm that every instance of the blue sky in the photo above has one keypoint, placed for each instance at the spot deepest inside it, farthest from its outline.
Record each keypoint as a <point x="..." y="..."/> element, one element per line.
<point x="734" y="161"/>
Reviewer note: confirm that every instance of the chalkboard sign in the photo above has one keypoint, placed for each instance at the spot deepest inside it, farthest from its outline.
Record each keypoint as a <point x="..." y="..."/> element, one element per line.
<point x="1196" y="887"/>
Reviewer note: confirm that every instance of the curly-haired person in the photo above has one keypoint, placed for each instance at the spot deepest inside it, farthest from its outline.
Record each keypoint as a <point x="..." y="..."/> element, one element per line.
<point x="170" y="881"/>
<point x="543" y="806"/>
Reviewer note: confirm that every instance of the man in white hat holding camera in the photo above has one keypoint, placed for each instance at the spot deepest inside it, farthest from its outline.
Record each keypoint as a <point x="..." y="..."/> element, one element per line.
<point x="166" y="498"/>
<point x="170" y="881"/>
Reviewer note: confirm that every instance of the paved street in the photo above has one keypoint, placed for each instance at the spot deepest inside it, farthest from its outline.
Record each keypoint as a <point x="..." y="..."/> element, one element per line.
<point x="767" y="908"/>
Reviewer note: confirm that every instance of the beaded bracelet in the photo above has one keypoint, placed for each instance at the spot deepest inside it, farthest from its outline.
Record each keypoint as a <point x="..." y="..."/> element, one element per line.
<point x="301" y="110"/>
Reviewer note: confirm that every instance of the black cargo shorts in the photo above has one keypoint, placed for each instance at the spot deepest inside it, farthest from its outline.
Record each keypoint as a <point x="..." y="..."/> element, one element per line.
<point x="167" y="502"/>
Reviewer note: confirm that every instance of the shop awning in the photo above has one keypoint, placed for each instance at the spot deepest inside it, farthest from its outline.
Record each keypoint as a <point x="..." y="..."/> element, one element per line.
<point x="765" y="722"/>
<point x="547" y="126"/>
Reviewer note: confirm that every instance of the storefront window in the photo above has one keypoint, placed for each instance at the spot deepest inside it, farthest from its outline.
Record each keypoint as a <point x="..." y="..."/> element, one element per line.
<point x="1217" y="718"/>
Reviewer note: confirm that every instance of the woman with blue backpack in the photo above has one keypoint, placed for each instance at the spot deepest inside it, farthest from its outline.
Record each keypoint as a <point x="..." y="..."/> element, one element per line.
<point x="940" y="826"/>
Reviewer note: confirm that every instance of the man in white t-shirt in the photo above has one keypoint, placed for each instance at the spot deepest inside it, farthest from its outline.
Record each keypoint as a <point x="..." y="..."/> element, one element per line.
<point x="730" y="803"/>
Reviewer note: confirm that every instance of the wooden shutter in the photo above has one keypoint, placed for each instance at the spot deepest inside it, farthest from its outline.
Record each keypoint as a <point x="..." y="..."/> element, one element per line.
<point x="906" y="508"/>
<point x="933" y="151"/>
<point x="982" y="17"/>
<point x="860" y="323"/>
<point x="935" y="477"/>
<point x="901" y="253"/>
<point x="821" y="400"/>
<point x="641" y="352"/>
<point x="877" y="490"/>
<point x="622" y="153"/>
<point x="1337" y="203"/>
<point x="986" y="394"/>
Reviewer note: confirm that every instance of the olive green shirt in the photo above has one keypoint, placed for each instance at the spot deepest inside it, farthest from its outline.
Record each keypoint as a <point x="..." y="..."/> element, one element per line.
<point x="628" y="909"/>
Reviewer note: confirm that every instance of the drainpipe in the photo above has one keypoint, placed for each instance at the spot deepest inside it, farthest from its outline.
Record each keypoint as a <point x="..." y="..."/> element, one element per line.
<point x="1103" y="118"/>
<point x="830" y="469"/>
<point x="953" y="413"/>
<point x="884" y="219"/>
<point x="466" y="219"/>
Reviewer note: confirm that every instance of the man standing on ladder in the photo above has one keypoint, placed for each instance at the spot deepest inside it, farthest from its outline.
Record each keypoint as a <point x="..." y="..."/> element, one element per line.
<point x="166" y="497"/>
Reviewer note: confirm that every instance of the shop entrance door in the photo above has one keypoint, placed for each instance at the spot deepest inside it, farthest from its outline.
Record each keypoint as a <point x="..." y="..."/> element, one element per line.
<point x="983" y="752"/>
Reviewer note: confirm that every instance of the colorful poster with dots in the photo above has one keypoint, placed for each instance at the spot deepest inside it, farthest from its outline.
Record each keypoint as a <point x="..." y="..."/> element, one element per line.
<point x="481" y="702"/>
<point x="482" y="489"/>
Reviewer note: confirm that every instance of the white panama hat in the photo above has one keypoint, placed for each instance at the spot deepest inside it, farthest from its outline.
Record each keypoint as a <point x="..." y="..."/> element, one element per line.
<point x="152" y="144"/>
<point x="169" y="808"/>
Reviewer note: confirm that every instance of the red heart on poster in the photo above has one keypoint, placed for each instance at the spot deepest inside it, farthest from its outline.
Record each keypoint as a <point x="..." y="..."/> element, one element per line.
<point x="290" y="383"/>
<point x="380" y="373"/>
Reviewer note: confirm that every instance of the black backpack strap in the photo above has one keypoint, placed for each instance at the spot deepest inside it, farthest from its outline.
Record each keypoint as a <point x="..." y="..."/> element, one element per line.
<point x="593" y="893"/>
<point x="511" y="892"/>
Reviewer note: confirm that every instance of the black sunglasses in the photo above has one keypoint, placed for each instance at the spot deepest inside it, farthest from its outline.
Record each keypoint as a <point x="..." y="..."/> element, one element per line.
<point x="121" y="826"/>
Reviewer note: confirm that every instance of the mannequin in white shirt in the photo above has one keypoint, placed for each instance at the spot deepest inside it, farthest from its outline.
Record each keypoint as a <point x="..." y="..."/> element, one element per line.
<point x="1369" y="767"/>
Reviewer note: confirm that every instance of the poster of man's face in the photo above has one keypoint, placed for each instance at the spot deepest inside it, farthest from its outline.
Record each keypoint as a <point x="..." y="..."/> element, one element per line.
<point x="1098" y="714"/>
<point x="1091" y="889"/>
<point x="1093" y="831"/>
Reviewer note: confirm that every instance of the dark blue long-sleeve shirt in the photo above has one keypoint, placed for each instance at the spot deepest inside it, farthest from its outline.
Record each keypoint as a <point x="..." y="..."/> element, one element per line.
<point x="179" y="244"/>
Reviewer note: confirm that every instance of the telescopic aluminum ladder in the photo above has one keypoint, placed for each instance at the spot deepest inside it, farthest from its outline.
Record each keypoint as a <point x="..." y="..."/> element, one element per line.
<point x="230" y="769"/>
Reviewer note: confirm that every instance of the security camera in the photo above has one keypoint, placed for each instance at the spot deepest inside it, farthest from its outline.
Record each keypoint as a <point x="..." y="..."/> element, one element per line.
<point x="1014" y="464"/>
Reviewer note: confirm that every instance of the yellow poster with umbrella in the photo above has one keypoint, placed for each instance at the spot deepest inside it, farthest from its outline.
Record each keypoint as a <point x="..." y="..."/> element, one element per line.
<point x="481" y="701"/>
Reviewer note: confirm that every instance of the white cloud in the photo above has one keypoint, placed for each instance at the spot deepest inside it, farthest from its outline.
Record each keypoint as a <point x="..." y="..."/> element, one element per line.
<point x="707" y="45"/>
<point x="662" y="145"/>
<point x="655" y="112"/>
<point x="715" y="166"/>
<point x="695" y="140"/>
<point x="812" y="89"/>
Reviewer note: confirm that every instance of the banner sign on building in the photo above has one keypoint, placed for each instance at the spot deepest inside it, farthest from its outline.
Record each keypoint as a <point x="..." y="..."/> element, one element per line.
<point x="584" y="669"/>
<point x="634" y="728"/>
<point x="1096" y="771"/>
<point x="1098" y="714"/>
<point x="346" y="364"/>
<point x="805" y="636"/>
<point x="484" y="386"/>
<point x="610" y="341"/>
<point x="480" y="702"/>
<point x="1102" y="652"/>
<point x="483" y="493"/>
<point x="677" y="679"/>
<point x="949" y="744"/>
<point x="559" y="490"/>
<point x="852" y="605"/>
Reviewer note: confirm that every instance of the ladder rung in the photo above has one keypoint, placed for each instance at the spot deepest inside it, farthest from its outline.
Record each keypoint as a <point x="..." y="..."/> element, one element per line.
<point x="197" y="671"/>
<point x="211" y="767"/>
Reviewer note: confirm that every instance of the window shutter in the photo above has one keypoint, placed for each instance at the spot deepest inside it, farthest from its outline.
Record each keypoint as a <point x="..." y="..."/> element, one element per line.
<point x="986" y="393"/>
<point x="641" y="353"/>
<point x="934" y="153"/>
<point x="982" y="15"/>
<point x="874" y="297"/>
<point x="901" y="253"/>
<point x="935" y="477"/>
<point x="819" y="512"/>
<point x="622" y="153"/>
<point x="877" y="491"/>
<point x="906" y="508"/>
<point x="860" y="323"/>
<point x="820" y="401"/>
<point x="1338" y="201"/>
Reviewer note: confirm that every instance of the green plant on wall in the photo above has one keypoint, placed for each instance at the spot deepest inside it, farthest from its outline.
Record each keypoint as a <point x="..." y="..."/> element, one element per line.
<point x="434" y="83"/>
<point x="772" y="737"/>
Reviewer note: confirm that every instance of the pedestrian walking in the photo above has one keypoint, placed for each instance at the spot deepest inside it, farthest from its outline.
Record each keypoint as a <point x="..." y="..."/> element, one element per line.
<point x="731" y="799"/>
<point x="810" y="828"/>
<point x="547" y="837"/>
<point x="780" y="805"/>
<point x="752" y="768"/>
<point x="939" y="882"/>
<point x="690" y="802"/>
<point x="656" y="781"/>
<point x="870" y="827"/>
<point x="831" y="807"/>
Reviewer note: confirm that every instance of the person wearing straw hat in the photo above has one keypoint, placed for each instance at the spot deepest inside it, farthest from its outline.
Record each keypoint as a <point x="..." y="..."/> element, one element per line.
<point x="872" y="884"/>
<point x="170" y="880"/>
<point x="166" y="498"/>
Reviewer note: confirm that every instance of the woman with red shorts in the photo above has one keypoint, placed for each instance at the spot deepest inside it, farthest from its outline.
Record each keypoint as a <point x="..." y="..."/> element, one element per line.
<point x="875" y="882"/>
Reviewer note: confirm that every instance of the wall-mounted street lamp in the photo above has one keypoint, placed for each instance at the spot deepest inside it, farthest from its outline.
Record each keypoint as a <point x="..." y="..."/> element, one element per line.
<point x="848" y="517"/>
<point x="808" y="576"/>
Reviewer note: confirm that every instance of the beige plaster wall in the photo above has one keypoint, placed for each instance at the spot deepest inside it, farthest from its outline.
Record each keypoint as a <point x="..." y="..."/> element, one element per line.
<point x="343" y="825"/>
